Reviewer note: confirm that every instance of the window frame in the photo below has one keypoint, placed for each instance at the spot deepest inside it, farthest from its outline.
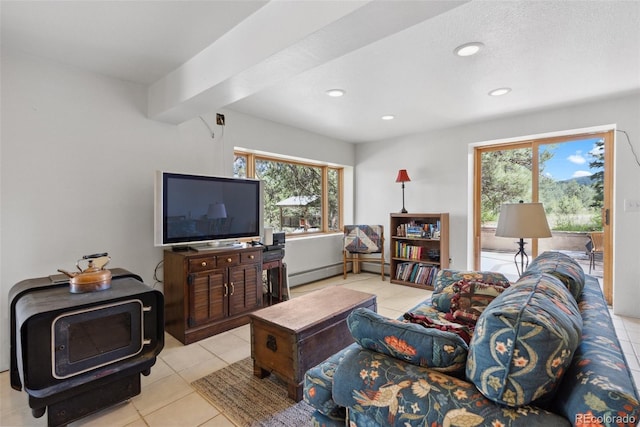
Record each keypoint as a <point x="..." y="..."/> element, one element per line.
<point x="252" y="158"/>
<point x="534" y="144"/>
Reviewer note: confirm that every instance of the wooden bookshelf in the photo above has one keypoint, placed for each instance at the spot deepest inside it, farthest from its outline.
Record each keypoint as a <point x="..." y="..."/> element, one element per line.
<point x="419" y="248"/>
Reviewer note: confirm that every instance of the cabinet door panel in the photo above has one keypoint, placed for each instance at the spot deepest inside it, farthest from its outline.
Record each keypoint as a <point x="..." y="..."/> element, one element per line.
<point x="244" y="294"/>
<point x="207" y="299"/>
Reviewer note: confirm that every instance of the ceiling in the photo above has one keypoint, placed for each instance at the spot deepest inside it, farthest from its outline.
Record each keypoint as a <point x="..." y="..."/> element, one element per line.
<point x="277" y="59"/>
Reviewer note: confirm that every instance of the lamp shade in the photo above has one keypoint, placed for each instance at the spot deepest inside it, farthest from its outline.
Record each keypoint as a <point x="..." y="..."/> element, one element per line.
<point x="522" y="220"/>
<point x="216" y="211"/>
<point x="403" y="176"/>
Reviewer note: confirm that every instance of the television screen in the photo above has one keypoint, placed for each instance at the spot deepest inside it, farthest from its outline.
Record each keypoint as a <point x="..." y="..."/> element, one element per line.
<point x="201" y="208"/>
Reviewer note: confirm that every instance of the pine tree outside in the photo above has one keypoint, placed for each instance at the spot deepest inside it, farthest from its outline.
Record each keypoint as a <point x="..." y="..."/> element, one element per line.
<point x="570" y="178"/>
<point x="572" y="197"/>
<point x="294" y="200"/>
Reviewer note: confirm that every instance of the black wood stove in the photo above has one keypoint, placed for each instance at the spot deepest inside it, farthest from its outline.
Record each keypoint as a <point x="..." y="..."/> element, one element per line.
<point x="77" y="353"/>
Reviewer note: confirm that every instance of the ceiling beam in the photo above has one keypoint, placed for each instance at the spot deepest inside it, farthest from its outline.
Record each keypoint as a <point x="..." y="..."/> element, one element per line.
<point x="277" y="42"/>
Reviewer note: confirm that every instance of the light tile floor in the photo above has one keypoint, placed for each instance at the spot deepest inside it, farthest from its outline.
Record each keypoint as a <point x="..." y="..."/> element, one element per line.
<point x="167" y="399"/>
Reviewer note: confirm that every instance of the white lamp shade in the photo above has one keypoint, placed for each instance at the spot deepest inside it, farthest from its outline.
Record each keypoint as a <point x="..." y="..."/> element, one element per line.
<point x="522" y="220"/>
<point x="217" y="210"/>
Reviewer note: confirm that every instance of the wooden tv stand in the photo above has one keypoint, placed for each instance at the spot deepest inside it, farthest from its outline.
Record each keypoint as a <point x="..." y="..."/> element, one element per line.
<point x="208" y="292"/>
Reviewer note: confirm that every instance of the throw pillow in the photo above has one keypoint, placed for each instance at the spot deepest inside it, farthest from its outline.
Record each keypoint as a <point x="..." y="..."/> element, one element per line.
<point x="443" y="288"/>
<point x="463" y="331"/>
<point x="524" y="341"/>
<point x="562" y="266"/>
<point x="470" y="299"/>
<point x="440" y="350"/>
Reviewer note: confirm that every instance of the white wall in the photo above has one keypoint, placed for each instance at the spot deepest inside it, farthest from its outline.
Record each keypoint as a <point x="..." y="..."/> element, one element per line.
<point x="77" y="165"/>
<point x="437" y="163"/>
<point x="307" y="258"/>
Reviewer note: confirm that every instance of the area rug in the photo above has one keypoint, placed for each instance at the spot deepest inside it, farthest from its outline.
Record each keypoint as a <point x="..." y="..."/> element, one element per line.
<point x="249" y="401"/>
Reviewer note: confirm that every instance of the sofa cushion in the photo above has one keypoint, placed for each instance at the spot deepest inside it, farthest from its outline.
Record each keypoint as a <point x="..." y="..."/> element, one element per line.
<point x="383" y="391"/>
<point x="565" y="268"/>
<point x="446" y="279"/>
<point x="318" y="387"/>
<point x="598" y="384"/>
<point x="441" y="350"/>
<point x="524" y="341"/>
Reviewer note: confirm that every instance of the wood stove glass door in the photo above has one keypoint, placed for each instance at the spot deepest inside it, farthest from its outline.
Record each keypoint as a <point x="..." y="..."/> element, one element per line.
<point x="97" y="336"/>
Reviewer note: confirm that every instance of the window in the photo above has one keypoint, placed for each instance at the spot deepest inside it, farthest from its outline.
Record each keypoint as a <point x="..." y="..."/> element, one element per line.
<point x="299" y="197"/>
<point x="571" y="175"/>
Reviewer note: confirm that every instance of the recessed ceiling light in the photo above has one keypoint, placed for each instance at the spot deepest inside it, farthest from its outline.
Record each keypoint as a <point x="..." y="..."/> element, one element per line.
<point x="388" y="117"/>
<point x="501" y="91"/>
<point x="468" y="49"/>
<point x="335" y="92"/>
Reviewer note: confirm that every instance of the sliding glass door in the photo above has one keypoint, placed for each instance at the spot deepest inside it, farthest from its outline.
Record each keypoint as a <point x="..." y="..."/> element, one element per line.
<point x="571" y="177"/>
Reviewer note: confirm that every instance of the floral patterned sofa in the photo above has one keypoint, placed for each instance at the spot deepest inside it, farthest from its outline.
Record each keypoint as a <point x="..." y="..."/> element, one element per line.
<point x="483" y="352"/>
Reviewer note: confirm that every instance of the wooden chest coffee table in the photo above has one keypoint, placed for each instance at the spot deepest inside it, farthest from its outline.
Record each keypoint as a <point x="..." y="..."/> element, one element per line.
<point x="291" y="337"/>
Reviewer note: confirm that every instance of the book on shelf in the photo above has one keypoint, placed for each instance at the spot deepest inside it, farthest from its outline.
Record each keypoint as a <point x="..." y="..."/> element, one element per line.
<point x="405" y="250"/>
<point x="410" y="230"/>
<point x="416" y="273"/>
<point x="418" y="230"/>
<point x="414" y="231"/>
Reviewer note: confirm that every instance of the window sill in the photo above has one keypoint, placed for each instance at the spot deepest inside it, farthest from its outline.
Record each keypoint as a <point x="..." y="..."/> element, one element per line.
<point x="315" y="235"/>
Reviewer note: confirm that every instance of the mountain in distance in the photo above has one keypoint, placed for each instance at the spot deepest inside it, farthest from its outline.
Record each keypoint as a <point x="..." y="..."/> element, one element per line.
<point x="581" y="180"/>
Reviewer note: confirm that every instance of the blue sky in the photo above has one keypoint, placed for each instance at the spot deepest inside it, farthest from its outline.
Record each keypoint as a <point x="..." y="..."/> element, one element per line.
<point x="571" y="159"/>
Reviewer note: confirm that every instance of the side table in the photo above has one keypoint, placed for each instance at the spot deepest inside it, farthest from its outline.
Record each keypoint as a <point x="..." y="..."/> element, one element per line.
<point x="272" y="260"/>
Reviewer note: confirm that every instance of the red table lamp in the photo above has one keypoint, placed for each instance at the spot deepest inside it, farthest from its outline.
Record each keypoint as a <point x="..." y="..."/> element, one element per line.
<point x="403" y="177"/>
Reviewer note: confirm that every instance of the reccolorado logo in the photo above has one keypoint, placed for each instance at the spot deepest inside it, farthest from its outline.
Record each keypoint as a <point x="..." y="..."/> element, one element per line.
<point x="593" y="420"/>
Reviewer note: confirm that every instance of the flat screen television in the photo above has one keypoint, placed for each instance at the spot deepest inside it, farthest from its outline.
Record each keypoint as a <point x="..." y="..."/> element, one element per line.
<point x="205" y="209"/>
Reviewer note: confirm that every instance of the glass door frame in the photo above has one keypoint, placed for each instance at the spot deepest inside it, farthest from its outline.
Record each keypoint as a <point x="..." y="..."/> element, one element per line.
<point x="534" y="144"/>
